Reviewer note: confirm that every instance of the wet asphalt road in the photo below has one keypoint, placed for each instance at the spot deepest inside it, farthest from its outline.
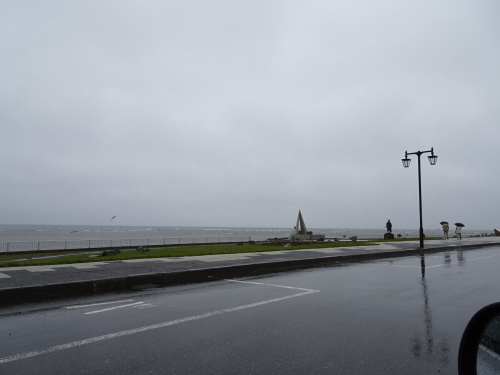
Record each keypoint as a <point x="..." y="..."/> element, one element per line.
<point x="392" y="316"/>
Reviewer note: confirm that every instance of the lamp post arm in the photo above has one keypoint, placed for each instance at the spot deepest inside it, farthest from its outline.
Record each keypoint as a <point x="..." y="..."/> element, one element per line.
<point x="418" y="153"/>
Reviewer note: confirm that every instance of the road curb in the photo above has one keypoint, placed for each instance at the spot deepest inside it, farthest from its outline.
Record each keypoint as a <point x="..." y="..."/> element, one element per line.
<point x="44" y="292"/>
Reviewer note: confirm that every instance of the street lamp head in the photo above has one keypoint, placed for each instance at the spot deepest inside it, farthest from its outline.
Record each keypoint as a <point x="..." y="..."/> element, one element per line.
<point x="432" y="158"/>
<point x="406" y="161"/>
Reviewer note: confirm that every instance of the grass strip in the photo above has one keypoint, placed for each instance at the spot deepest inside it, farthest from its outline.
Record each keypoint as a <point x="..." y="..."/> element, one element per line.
<point x="68" y="257"/>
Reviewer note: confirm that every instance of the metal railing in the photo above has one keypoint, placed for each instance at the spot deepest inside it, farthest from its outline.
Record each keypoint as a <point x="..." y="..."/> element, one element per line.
<point x="6" y="247"/>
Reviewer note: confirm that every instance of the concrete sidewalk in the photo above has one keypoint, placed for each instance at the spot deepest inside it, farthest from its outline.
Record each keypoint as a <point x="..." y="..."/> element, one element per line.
<point x="28" y="284"/>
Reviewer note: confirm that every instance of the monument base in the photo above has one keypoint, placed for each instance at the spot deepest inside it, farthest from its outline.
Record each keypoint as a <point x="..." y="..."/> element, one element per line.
<point x="307" y="237"/>
<point x="388" y="236"/>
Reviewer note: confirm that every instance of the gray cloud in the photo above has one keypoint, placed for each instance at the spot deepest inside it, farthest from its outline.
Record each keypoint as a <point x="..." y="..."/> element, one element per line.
<point x="240" y="113"/>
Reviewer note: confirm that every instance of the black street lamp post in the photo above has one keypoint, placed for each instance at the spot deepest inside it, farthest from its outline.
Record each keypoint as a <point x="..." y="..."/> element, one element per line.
<point x="406" y="163"/>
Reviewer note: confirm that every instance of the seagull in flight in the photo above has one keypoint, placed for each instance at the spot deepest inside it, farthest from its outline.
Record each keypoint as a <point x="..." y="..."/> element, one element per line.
<point x="113" y="217"/>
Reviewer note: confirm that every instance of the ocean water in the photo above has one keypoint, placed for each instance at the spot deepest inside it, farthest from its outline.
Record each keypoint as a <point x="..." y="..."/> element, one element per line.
<point x="17" y="233"/>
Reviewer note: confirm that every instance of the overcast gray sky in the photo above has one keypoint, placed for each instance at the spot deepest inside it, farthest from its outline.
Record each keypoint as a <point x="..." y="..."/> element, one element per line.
<point x="240" y="113"/>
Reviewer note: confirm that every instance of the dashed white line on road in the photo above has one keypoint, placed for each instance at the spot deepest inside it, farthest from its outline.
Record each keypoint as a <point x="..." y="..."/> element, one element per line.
<point x="140" y="305"/>
<point x="93" y="340"/>
<point x="276" y="286"/>
<point x="98" y="304"/>
<point x="112" y="308"/>
<point x="144" y="306"/>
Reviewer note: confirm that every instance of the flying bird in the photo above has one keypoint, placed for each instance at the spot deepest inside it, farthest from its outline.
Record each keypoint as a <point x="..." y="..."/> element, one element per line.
<point x="113" y="217"/>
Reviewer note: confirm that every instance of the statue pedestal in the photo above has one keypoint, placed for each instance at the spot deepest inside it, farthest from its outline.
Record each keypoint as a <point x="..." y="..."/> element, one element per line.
<point x="388" y="236"/>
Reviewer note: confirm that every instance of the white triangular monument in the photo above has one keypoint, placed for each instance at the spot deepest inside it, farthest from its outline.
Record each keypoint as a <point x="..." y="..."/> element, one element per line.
<point x="300" y="227"/>
<point x="300" y="232"/>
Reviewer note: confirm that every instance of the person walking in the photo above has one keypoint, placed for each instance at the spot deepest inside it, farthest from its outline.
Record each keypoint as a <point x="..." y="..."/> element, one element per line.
<point x="458" y="232"/>
<point x="388" y="225"/>
<point x="446" y="228"/>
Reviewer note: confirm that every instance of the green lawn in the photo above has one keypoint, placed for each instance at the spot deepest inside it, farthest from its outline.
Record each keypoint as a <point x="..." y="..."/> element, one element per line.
<point x="66" y="257"/>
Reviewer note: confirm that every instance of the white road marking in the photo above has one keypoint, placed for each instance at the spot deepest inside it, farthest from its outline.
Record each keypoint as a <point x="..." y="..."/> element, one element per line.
<point x="144" y="306"/>
<point x="110" y="336"/>
<point x="4" y="276"/>
<point x="113" y="308"/>
<point x="141" y="305"/>
<point x="277" y="286"/>
<point x="97" y="304"/>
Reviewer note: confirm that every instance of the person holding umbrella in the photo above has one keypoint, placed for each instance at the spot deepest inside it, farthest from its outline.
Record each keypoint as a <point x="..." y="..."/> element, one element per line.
<point x="458" y="230"/>
<point x="446" y="228"/>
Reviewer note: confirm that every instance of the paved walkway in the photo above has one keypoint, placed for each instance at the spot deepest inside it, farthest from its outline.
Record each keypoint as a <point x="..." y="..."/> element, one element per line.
<point x="38" y="282"/>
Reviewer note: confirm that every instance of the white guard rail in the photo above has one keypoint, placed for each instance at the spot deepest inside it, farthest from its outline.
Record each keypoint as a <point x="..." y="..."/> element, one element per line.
<point x="6" y="247"/>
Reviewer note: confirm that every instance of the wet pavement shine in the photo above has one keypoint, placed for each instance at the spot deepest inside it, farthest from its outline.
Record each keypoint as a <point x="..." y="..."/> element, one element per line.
<point x="400" y="315"/>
